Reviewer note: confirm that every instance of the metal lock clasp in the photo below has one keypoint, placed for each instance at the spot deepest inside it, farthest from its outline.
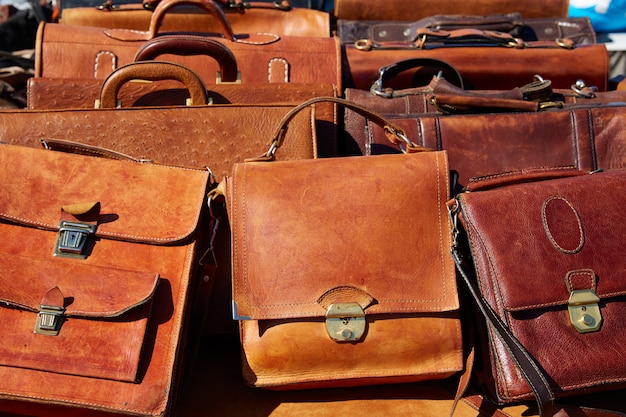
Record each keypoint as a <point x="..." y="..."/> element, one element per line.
<point x="72" y="239"/>
<point x="584" y="312"/>
<point x="49" y="320"/>
<point x="345" y="322"/>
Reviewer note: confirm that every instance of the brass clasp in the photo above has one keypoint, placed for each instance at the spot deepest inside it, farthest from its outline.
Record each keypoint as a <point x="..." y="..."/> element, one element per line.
<point x="72" y="239"/>
<point x="49" y="320"/>
<point x="345" y="322"/>
<point x="584" y="312"/>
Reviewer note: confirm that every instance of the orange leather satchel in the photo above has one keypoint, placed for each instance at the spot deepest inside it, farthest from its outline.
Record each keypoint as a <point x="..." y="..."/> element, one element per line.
<point x="99" y="260"/>
<point x="265" y="57"/>
<point x="277" y="17"/>
<point x="341" y="275"/>
<point x="536" y="249"/>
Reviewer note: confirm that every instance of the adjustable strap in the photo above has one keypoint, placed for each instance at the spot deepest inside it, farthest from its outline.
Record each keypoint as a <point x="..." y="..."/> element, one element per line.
<point x="522" y="359"/>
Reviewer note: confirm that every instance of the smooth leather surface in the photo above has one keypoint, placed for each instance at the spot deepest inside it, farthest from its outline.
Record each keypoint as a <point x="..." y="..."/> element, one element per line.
<point x="196" y="136"/>
<point x="294" y="22"/>
<point x="564" y="227"/>
<point x="139" y="196"/>
<point x="261" y="57"/>
<point x="403" y="10"/>
<point x="302" y="229"/>
<point x="587" y="138"/>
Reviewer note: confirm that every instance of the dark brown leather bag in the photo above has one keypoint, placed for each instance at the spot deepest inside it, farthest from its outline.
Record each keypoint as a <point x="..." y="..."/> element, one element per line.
<point x="261" y="57"/>
<point x="277" y="17"/>
<point x="487" y="59"/>
<point x="578" y="30"/>
<point x="311" y="273"/>
<point x="418" y="9"/>
<point x="99" y="261"/>
<point x="547" y="280"/>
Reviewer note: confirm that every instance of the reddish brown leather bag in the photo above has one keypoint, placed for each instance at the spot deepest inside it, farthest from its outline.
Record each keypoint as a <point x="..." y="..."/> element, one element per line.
<point x="584" y="134"/>
<point x="261" y="57"/>
<point x="277" y="17"/>
<point x="487" y="59"/>
<point x="99" y="259"/>
<point x="317" y="303"/>
<point x="548" y="280"/>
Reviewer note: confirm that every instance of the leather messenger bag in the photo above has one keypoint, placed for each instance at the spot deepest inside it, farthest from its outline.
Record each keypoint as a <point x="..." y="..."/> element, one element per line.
<point x="341" y="275"/>
<point x="536" y="249"/>
<point x="99" y="260"/>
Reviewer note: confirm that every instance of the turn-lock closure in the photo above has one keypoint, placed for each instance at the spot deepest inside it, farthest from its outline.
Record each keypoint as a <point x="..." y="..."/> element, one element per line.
<point x="584" y="311"/>
<point x="73" y="238"/>
<point x="345" y="322"/>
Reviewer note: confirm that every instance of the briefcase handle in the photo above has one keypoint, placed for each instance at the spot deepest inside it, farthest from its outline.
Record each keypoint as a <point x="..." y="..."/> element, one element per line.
<point x="209" y="6"/>
<point x="191" y="45"/>
<point x="394" y="133"/>
<point x="151" y="71"/>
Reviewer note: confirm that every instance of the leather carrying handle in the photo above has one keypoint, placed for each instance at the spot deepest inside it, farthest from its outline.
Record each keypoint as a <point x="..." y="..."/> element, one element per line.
<point x="389" y="72"/>
<point x="395" y="134"/>
<point x="151" y="71"/>
<point x="284" y="5"/>
<point x="191" y="45"/>
<point x="207" y="5"/>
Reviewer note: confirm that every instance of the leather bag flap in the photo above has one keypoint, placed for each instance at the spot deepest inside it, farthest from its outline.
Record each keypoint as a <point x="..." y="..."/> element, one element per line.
<point x="541" y="240"/>
<point x="371" y="231"/>
<point x="89" y="291"/>
<point x="142" y="203"/>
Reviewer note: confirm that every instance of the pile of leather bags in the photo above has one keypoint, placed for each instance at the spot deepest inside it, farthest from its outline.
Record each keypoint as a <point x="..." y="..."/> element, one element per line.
<point x="221" y="207"/>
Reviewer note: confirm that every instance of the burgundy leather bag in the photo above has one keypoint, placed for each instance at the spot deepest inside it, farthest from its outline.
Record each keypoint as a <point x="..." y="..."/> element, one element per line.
<point x="536" y="249"/>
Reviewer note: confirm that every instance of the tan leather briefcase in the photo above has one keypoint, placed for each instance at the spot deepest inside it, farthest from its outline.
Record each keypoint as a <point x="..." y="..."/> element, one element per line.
<point x="99" y="258"/>
<point x="277" y="17"/>
<point x="262" y="57"/>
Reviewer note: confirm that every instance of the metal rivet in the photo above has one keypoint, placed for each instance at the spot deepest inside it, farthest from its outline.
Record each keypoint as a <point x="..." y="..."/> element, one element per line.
<point x="382" y="33"/>
<point x="346" y="334"/>
<point x="587" y="320"/>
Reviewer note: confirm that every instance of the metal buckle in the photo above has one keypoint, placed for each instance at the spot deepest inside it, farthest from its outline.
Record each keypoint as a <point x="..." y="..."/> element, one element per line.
<point x="584" y="312"/>
<point x="345" y="322"/>
<point x="49" y="320"/>
<point x="72" y="239"/>
<point x="218" y="78"/>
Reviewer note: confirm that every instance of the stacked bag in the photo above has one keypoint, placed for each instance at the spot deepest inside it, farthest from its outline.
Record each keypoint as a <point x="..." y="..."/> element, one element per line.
<point x="404" y="209"/>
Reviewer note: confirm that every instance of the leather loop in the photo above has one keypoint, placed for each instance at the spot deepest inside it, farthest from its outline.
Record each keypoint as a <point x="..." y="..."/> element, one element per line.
<point x="522" y="176"/>
<point x="191" y="45"/>
<point x="207" y="5"/>
<point x="389" y="72"/>
<point x="151" y="71"/>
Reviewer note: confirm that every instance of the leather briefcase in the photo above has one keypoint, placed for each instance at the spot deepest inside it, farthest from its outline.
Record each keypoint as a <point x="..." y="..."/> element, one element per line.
<point x="278" y="17"/>
<point x="189" y="136"/>
<point x="577" y="29"/>
<point x="548" y="280"/>
<point x="418" y="9"/>
<point x="261" y="57"/>
<point x="99" y="259"/>
<point x="505" y="61"/>
<point x="341" y="275"/>
<point x="584" y="136"/>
